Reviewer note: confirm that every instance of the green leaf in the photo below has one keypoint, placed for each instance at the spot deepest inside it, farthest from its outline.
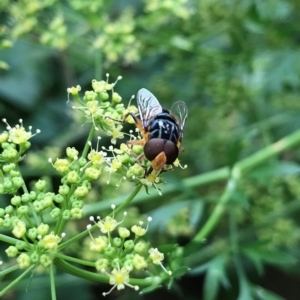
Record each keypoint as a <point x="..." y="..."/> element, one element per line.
<point x="263" y="294"/>
<point x="259" y="256"/>
<point x="180" y="272"/>
<point x="245" y="290"/>
<point x="150" y="288"/>
<point x="215" y="276"/>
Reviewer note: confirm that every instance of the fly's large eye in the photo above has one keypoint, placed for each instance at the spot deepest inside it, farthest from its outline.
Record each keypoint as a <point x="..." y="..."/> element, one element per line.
<point x="171" y="151"/>
<point x="153" y="147"/>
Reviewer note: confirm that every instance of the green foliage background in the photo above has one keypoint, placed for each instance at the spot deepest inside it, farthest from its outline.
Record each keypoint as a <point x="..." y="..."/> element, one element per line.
<point x="237" y="66"/>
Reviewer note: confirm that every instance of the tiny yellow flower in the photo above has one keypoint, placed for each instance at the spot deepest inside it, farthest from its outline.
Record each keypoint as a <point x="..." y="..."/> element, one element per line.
<point x="98" y="244"/>
<point x="19" y="229"/>
<point x="23" y="261"/>
<point x="119" y="278"/>
<point x="107" y="225"/>
<point x="156" y="256"/>
<point x="50" y="241"/>
<point x="61" y="165"/>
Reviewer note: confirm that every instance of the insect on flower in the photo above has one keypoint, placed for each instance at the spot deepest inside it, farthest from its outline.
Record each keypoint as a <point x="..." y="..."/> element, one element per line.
<point x="161" y="129"/>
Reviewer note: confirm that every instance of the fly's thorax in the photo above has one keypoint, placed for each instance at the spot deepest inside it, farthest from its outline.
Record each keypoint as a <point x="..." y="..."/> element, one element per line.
<point x="164" y="126"/>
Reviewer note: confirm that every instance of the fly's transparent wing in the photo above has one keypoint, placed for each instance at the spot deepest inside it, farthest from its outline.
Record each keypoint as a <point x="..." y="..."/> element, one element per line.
<point x="148" y="106"/>
<point x="180" y="111"/>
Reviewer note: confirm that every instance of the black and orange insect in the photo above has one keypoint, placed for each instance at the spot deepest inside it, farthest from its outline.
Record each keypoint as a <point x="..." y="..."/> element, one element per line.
<point x="161" y="129"/>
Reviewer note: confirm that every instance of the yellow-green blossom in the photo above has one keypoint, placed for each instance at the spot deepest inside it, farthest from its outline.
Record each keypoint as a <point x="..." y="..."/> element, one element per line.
<point x="19" y="229"/>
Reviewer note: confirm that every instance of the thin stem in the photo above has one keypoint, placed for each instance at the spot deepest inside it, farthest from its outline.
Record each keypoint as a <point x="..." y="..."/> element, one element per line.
<point x="9" y="270"/>
<point x="17" y="280"/>
<point x="8" y="239"/>
<point x="75" y="260"/>
<point x="78" y="272"/>
<point x="89" y="139"/>
<point x="244" y="166"/>
<point x="218" y="211"/>
<point x="52" y="282"/>
<point x="32" y="210"/>
<point x="129" y="199"/>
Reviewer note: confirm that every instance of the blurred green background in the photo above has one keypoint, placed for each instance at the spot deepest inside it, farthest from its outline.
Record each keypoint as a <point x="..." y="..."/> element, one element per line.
<point x="236" y="64"/>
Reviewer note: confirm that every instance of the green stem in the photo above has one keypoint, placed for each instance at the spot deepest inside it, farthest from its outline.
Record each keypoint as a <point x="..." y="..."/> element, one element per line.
<point x="218" y="211"/>
<point x="93" y="276"/>
<point x="9" y="270"/>
<point x="129" y="199"/>
<point x="32" y="210"/>
<point x="78" y="272"/>
<point x="244" y="166"/>
<point x="8" y="239"/>
<point x="89" y="139"/>
<point x="52" y="282"/>
<point x="75" y="260"/>
<point x="17" y="280"/>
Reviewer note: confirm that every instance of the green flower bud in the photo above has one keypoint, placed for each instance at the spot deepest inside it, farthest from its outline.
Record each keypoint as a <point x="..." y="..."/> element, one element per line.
<point x="72" y="153"/>
<point x="109" y="251"/>
<point x="3" y="137"/>
<point x="17" y="182"/>
<point x="21" y="245"/>
<point x="7" y="223"/>
<point x="9" y="209"/>
<point x="43" y="229"/>
<point x="104" y="96"/>
<point x="34" y="257"/>
<point x="19" y="229"/>
<point x="38" y="205"/>
<point x="40" y="196"/>
<point x="92" y="173"/>
<point x="12" y="251"/>
<point x="116" y="97"/>
<point x="26" y="198"/>
<point x="77" y="204"/>
<point x="64" y="189"/>
<point x="9" y="167"/>
<point x="14" y="173"/>
<point x="81" y="191"/>
<point x="10" y="154"/>
<point x="129" y="245"/>
<point x="73" y="177"/>
<point x="89" y="96"/>
<point x="140" y="247"/>
<point x="55" y="213"/>
<point x="101" y="264"/>
<point x="32" y="195"/>
<point x="22" y="210"/>
<point x="40" y="185"/>
<point x="123" y="232"/>
<point x="48" y="200"/>
<point x="7" y="184"/>
<point x="66" y="214"/>
<point x="117" y="242"/>
<point x="32" y="233"/>
<point x="59" y="198"/>
<point x="76" y="213"/>
<point x="16" y="200"/>
<point x="82" y="161"/>
<point x="139" y="262"/>
<point x="62" y="165"/>
<point x="45" y="260"/>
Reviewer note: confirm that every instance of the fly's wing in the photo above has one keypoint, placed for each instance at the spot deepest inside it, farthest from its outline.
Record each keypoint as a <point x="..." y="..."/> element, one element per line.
<point x="180" y="111"/>
<point x="148" y="106"/>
